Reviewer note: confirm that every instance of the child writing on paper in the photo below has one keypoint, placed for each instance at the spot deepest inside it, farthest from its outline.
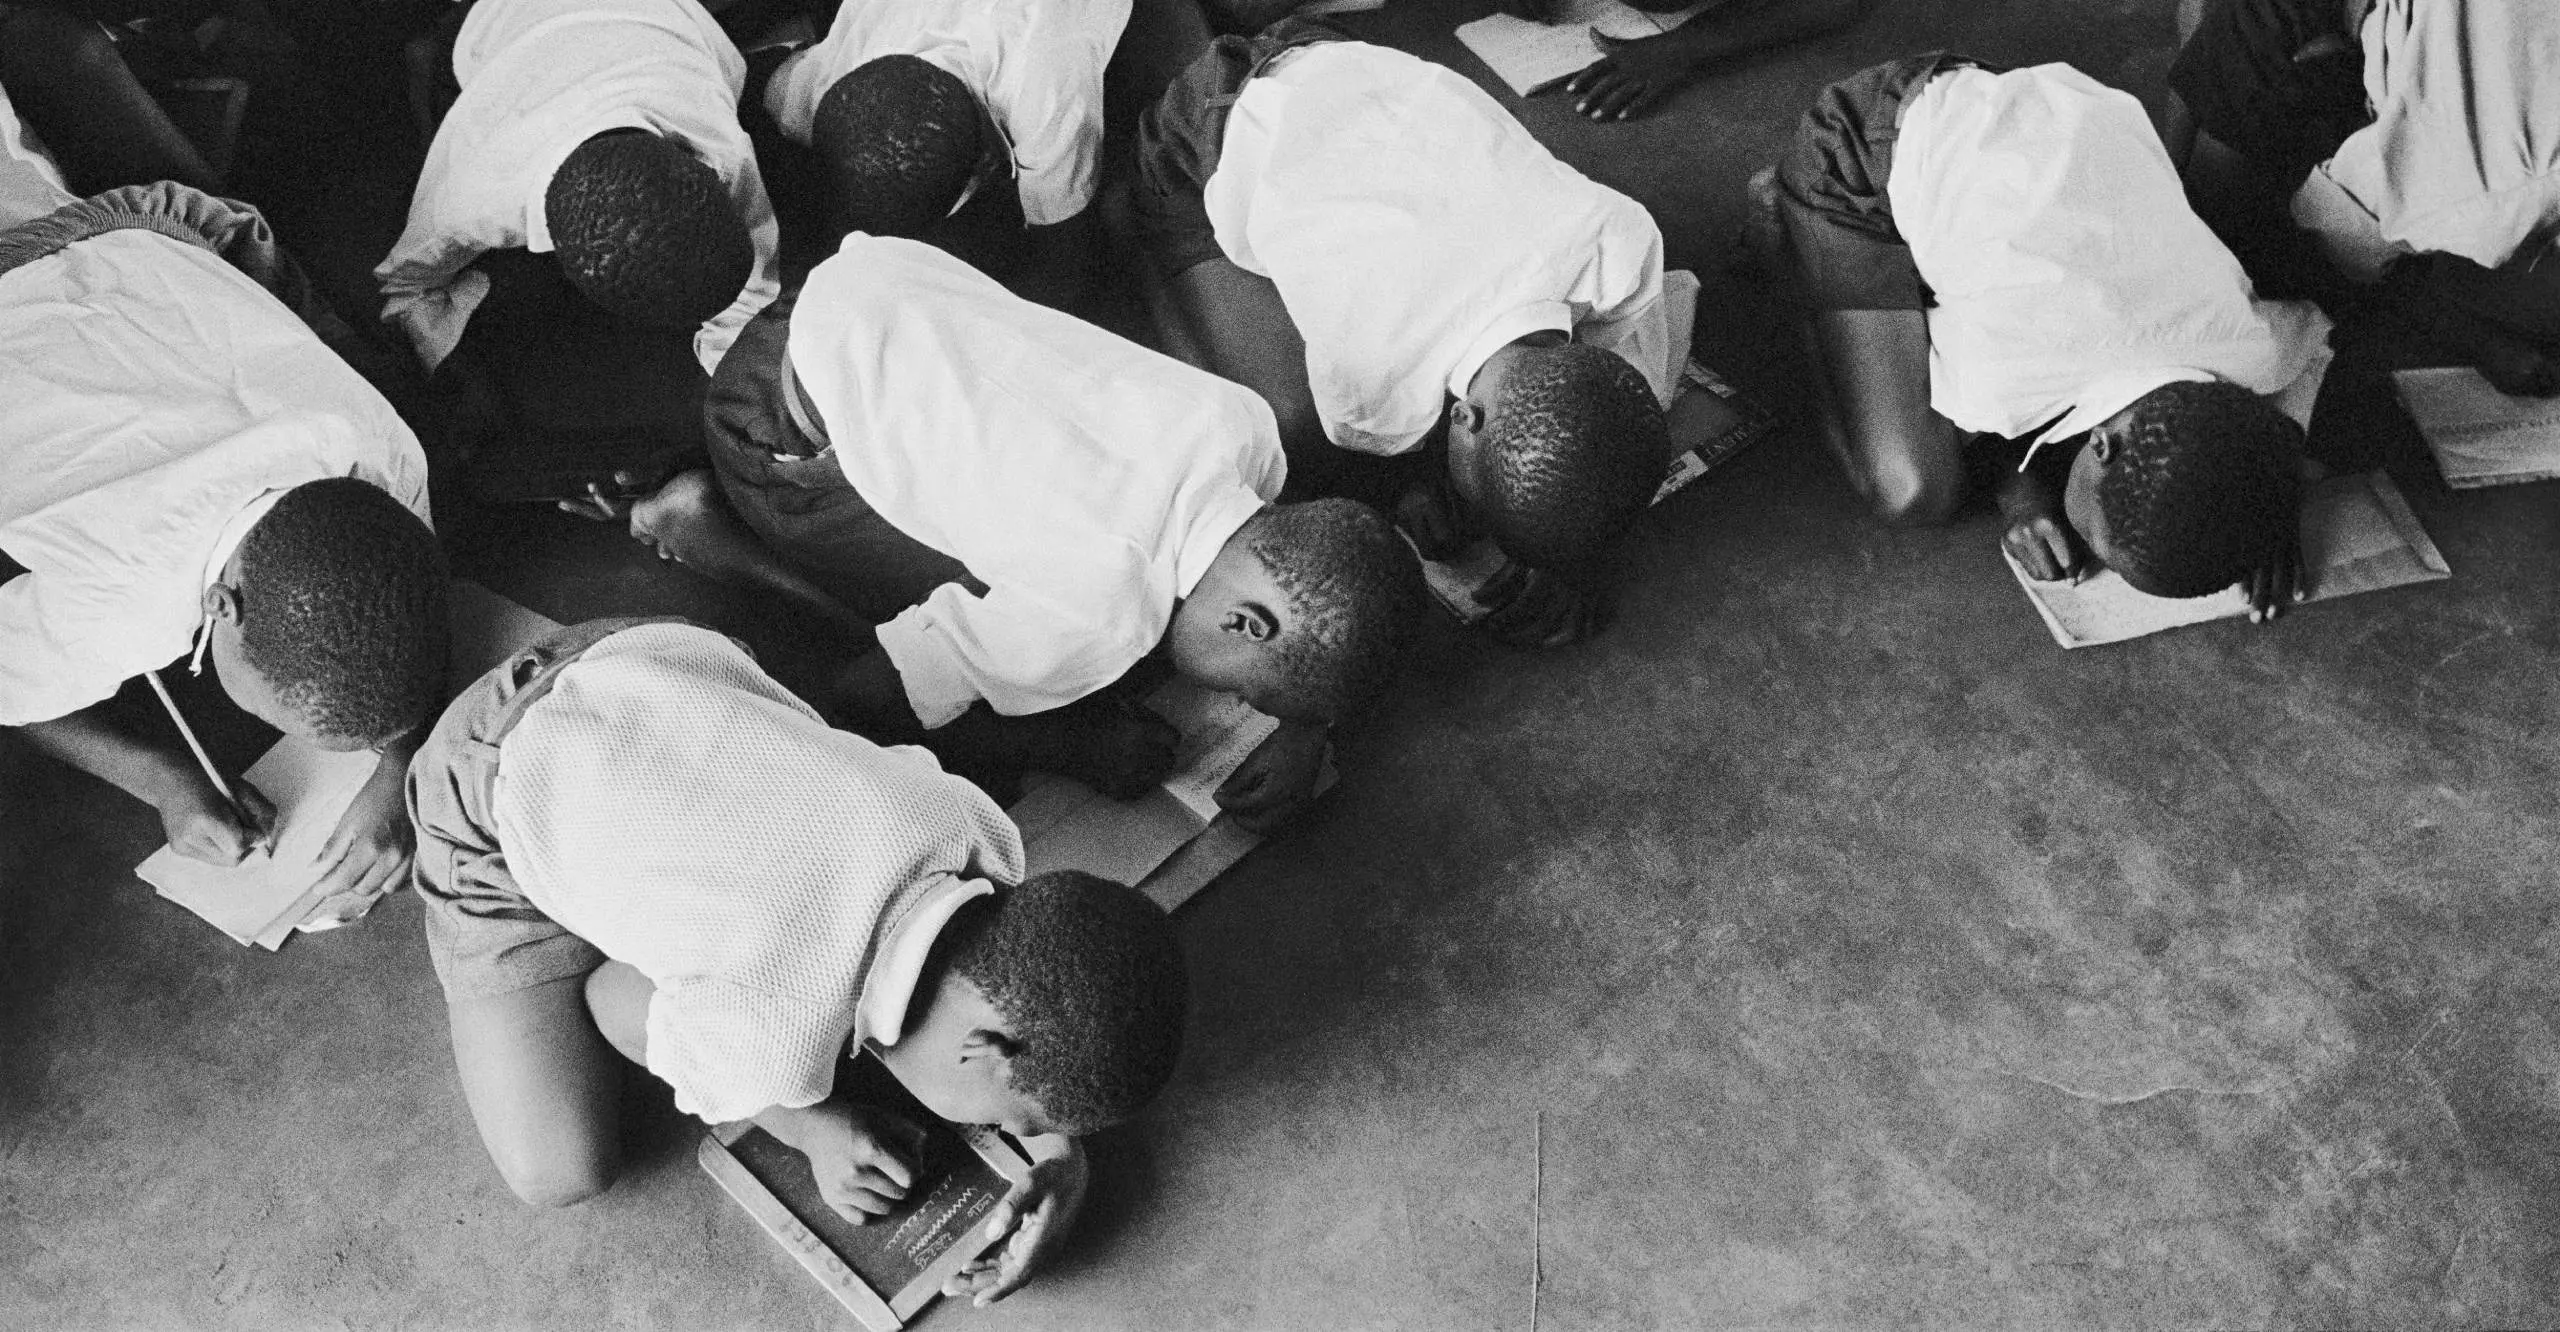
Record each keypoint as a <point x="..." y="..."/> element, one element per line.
<point x="1441" y="313"/>
<point x="634" y="841"/>
<point x="973" y="124"/>
<point x="244" y="490"/>
<point x="2008" y="254"/>
<point x="1027" y="506"/>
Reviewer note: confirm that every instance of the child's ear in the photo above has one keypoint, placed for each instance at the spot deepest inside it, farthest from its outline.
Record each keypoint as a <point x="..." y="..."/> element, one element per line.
<point x="1251" y="619"/>
<point x="2102" y="447"/>
<point x="985" y="1043"/>
<point x="1465" y="415"/>
<point x="222" y="602"/>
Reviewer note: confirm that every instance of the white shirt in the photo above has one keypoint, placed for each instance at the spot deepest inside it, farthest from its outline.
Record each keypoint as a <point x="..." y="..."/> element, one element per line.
<point x="1413" y="228"/>
<point x="671" y="804"/>
<point x="2070" y="276"/>
<point x="1036" y="65"/>
<point x="154" y="394"/>
<point x="540" y="77"/>
<point x="1087" y="481"/>
<point x="2463" y="155"/>
<point x="30" y="183"/>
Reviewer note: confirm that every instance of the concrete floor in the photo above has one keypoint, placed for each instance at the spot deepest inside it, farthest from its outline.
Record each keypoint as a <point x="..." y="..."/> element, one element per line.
<point x="1821" y="947"/>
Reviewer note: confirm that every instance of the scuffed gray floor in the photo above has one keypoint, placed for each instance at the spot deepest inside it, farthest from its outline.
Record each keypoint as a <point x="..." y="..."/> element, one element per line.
<point x="1821" y="947"/>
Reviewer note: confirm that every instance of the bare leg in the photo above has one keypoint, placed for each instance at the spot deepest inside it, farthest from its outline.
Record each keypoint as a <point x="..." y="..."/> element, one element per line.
<point x="1237" y="325"/>
<point x="541" y="1084"/>
<point x="689" y="522"/>
<point x="65" y="76"/>
<point x="1871" y="389"/>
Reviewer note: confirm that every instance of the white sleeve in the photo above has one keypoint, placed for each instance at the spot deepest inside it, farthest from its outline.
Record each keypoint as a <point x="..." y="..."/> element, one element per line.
<point x="746" y="190"/>
<point x="1053" y="114"/>
<point x="1636" y="324"/>
<point x="730" y="1051"/>
<point x="1050" y="632"/>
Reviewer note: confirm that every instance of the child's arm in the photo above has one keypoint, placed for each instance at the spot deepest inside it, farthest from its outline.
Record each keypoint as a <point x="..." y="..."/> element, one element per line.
<point x="1277" y="779"/>
<point x="1639" y="72"/>
<point x="861" y="1159"/>
<point x="1033" y="1218"/>
<point x="367" y="854"/>
<point x="2033" y="528"/>
<point x="200" y="824"/>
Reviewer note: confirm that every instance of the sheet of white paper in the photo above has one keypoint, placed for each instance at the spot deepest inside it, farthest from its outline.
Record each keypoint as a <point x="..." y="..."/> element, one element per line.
<point x="311" y="787"/>
<point x="1529" y="55"/>
<point x="1320" y="8"/>
<point x="2481" y="437"/>
<point x="1171" y="841"/>
<point x="2358" y="535"/>
<point x="264" y="899"/>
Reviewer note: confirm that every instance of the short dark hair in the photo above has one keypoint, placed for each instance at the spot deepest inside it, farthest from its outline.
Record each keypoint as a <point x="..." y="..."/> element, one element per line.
<point x="1356" y="598"/>
<point x="1575" y="448"/>
<point x="898" y="137"/>
<point x="342" y="607"/>
<point x="2204" y="481"/>
<point x="1091" y="985"/>
<point x="647" y="231"/>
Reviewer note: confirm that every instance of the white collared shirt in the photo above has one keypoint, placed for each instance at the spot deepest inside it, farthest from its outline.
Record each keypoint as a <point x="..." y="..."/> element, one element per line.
<point x="777" y="880"/>
<point x="30" y="183"/>
<point x="1036" y="65"/>
<point x="1413" y="228"/>
<point x="1087" y="481"/>
<point x="540" y="77"/>
<point x="154" y="395"/>
<point x="2463" y="155"/>
<point x="2070" y="276"/>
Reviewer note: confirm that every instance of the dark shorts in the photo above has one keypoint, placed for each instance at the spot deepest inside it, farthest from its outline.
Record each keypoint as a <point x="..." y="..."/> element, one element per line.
<point x="792" y="493"/>
<point x="2238" y="78"/>
<point x="484" y="935"/>
<point x="1831" y="189"/>
<point x="1182" y="134"/>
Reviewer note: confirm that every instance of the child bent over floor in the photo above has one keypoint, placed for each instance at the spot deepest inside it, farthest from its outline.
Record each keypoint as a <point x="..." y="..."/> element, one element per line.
<point x="2010" y="254"/>
<point x="631" y="839"/>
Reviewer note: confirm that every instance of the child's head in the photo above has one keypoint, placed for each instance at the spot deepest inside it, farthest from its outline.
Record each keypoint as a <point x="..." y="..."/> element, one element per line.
<point x="329" y="621"/>
<point x="899" y="138"/>
<point x="1054" y="1007"/>
<point x="1555" y="449"/>
<point x="646" y="230"/>
<point x="2188" y="489"/>
<point x="1305" y="611"/>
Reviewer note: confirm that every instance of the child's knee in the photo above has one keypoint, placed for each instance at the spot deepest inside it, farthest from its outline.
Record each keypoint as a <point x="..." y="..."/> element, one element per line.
<point x="1907" y="494"/>
<point x="558" y="1182"/>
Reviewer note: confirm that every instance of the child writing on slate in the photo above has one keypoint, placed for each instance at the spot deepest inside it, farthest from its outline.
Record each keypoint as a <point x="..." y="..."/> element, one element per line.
<point x="635" y="842"/>
<point x="1027" y="506"/>
<point x="188" y="464"/>
<point x="2009" y="253"/>
<point x="1378" y="249"/>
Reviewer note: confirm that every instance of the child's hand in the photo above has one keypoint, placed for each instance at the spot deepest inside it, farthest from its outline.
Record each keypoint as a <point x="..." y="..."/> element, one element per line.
<point x="201" y="825"/>
<point x="1430" y="514"/>
<point x="2277" y="583"/>
<point x="1539" y="607"/>
<point x="367" y="855"/>
<point x="1277" y="779"/>
<point x="862" y="1159"/>
<point x="1636" y="73"/>
<point x="1032" y="1218"/>
<point x="597" y="506"/>
<point x="2044" y="546"/>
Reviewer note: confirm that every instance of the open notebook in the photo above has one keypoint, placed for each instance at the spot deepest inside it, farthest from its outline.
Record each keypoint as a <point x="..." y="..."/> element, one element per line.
<point x="2481" y="437"/>
<point x="265" y="898"/>
<point x="1170" y="842"/>
<point x="1532" y="56"/>
<point x="2358" y="535"/>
